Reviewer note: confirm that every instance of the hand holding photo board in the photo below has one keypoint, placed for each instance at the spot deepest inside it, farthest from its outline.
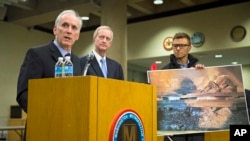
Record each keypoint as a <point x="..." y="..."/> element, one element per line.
<point x="199" y="100"/>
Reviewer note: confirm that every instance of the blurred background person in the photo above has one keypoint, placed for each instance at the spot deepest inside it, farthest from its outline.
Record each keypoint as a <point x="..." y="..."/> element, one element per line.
<point x="109" y="68"/>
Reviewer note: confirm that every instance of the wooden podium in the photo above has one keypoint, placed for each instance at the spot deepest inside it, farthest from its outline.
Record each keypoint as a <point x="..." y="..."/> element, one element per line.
<point x="84" y="108"/>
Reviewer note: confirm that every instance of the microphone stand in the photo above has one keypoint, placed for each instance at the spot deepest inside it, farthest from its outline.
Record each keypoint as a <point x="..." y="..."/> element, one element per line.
<point x="89" y="59"/>
<point x="86" y="68"/>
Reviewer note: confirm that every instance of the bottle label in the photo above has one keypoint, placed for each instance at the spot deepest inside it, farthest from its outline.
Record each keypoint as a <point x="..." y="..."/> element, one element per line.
<point x="68" y="71"/>
<point x="58" y="71"/>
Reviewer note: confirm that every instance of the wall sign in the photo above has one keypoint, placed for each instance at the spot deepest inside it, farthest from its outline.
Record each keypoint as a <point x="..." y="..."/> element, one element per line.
<point x="238" y="33"/>
<point x="167" y="43"/>
<point x="197" y="39"/>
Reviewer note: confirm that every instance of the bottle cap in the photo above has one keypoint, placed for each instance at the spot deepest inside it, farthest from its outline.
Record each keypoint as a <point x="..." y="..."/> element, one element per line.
<point x="67" y="57"/>
<point x="60" y="58"/>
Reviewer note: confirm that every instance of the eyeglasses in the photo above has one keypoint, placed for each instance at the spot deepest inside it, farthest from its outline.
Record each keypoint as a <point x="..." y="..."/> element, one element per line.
<point x="180" y="45"/>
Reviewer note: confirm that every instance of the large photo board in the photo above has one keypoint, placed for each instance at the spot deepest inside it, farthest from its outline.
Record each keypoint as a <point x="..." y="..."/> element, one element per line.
<point x="199" y="100"/>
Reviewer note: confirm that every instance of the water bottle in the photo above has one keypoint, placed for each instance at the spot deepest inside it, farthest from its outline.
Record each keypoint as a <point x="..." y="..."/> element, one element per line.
<point x="59" y="68"/>
<point x="68" y="67"/>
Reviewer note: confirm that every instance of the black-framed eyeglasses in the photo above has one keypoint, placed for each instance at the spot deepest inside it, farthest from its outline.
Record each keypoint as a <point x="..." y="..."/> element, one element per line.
<point x="180" y="45"/>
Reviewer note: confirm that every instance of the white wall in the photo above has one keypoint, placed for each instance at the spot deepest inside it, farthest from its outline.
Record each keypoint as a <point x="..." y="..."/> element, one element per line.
<point x="144" y="40"/>
<point x="15" y="40"/>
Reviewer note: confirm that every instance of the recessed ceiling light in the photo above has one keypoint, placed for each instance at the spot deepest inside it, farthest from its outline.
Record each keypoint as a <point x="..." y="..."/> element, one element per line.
<point x="218" y="56"/>
<point x="85" y="18"/>
<point x="158" y="2"/>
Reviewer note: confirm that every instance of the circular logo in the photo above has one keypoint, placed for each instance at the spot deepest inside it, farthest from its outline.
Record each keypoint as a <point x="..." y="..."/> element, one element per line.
<point x="127" y="126"/>
<point x="197" y="39"/>
<point x="167" y="43"/>
<point x="238" y="33"/>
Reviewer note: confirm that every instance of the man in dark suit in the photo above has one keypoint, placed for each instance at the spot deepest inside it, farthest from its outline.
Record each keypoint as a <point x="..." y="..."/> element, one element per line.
<point x="40" y="61"/>
<point x="102" y="38"/>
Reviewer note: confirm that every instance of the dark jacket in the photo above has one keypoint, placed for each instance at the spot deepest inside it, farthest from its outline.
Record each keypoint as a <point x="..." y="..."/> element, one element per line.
<point x="174" y="65"/>
<point x="40" y="62"/>
<point x="247" y="93"/>
<point x="114" y="69"/>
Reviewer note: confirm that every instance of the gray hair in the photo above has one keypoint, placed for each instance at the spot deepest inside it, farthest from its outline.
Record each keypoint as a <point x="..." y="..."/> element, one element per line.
<point x="102" y="27"/>
<point x="67" y="12"/>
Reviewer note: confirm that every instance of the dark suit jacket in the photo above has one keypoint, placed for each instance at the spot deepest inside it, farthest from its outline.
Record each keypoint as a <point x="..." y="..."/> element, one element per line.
<point x="247" y="93"/>
<point x="40" y="62"/>
<point x="114" y="68"/>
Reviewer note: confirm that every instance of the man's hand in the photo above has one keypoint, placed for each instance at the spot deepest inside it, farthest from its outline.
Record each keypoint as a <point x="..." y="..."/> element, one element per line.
<point x="199" y="66"/>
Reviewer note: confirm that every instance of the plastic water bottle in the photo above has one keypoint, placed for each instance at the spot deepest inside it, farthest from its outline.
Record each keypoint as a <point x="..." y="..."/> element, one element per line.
<point x="59" y="68"/>
<point x="68" y="67"/>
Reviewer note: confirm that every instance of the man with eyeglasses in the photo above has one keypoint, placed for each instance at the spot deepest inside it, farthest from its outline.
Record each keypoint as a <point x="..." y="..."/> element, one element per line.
<point x="181" y="59"/>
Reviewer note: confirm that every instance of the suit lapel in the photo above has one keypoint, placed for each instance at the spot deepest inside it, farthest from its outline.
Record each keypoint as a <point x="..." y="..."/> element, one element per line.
<point x="97" y="68"/>
<point x="54" y="51"/>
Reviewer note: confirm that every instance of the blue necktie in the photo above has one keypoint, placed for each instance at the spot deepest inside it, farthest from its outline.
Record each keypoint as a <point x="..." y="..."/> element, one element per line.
<point x="104" y="69"/>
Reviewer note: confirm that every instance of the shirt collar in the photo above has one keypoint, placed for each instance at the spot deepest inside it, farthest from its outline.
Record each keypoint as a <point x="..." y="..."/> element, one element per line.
<point x="183" y="66"/>
<point x="97" y="56"/>
<point x="62" y="51"/>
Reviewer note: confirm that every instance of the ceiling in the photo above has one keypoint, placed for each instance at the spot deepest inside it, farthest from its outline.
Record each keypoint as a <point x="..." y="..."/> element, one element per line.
<point x="40" y="15"/>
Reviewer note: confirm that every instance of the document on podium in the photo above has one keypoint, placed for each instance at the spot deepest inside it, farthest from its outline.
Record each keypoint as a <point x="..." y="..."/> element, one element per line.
<point x="199" y="100"/>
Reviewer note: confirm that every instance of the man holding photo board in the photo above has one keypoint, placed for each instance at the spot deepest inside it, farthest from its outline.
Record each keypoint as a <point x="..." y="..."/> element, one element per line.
<point x="181" y="59"/>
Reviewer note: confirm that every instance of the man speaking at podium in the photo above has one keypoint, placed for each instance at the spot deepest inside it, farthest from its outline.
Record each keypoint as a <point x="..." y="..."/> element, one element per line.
<point x="40" y="61"/>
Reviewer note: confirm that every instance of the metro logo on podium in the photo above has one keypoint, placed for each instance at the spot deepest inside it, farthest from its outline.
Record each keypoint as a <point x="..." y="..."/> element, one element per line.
<point x="127" y="126"/>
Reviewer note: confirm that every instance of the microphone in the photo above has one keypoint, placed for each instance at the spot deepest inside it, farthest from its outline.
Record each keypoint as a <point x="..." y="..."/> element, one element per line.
<point x="87" y="64"/>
